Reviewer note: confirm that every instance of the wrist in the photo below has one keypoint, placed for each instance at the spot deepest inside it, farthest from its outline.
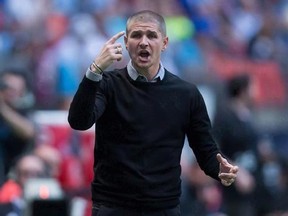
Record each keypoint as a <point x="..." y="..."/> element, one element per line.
<point x="95" y="68"/>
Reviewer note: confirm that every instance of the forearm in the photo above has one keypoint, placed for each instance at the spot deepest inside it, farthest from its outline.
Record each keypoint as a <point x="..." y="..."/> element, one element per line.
<point x="83" y="110"/>
<point x="201" y="139"/>
<point x="22" y="126"/>
<point x="81" y="114"/>
<point x="205" y="151"/>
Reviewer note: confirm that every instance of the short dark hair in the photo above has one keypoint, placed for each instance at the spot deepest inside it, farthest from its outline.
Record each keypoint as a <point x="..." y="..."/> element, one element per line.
<point x="15" y="72"/>
<point x="148" y="16"/>
<point x="237" y="84"/>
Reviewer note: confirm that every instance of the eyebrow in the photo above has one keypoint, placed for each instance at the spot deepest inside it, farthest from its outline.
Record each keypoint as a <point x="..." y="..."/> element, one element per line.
<point x="141" y="32"/>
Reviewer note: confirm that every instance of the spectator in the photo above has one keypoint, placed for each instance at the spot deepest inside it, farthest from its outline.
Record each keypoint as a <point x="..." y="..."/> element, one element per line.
<point x="11" y="193"/>
<point x="272" y="181"/>
<point x="52" y="158"/>
<point x="238" y="140"/>
<point x="16" y="128"/>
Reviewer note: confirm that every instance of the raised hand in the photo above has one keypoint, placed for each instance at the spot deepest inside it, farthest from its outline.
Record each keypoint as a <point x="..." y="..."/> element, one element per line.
<point x="110" y="52"/>
<point x="228" y="172"/>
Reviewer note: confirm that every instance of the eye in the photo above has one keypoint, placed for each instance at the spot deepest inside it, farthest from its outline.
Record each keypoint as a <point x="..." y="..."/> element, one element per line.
<point x="152" y="35"/>
<point x="135" y="35"/>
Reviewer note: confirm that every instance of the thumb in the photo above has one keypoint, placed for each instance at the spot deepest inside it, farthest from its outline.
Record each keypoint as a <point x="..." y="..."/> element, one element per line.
<point x="223" y="163"/>
<point x="220" y="158"/>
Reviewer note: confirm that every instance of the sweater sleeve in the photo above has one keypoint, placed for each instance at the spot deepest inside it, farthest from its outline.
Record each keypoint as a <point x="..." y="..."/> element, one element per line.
<point x="85" y="108"/>
<point x="200" y="137"/>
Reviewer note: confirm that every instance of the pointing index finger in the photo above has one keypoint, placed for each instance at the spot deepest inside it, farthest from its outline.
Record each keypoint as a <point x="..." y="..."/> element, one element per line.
<point x="113" y="39"/>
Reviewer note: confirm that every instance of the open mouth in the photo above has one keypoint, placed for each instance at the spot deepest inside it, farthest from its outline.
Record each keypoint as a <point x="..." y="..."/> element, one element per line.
<point x="144" y="54"/>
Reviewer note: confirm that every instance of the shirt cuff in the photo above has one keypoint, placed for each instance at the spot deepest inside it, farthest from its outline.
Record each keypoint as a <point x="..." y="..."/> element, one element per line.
<point x="93" y="76"/>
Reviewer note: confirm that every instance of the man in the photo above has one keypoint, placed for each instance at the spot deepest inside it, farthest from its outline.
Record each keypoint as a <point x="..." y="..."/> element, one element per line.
<point x="142" y="114"/>
<point x="27" y="166"/>
<point x="17" y="130"/>
<point x="238" y="139"/>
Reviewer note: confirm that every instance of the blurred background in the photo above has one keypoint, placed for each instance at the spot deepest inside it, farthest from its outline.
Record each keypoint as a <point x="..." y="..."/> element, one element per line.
<point x="46" y="47"/>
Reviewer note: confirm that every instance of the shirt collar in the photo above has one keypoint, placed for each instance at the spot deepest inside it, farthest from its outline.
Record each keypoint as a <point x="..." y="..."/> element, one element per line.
<point x="134" y="74"/>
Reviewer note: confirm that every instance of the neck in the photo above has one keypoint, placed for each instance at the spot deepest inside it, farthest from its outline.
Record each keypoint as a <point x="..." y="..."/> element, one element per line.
<point x="149" y="73"/>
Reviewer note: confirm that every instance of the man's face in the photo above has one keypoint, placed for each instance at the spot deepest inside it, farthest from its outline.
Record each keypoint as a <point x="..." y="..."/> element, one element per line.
<point x="145" y="43"/>
<point x="15" y="88"/>
<point x="30" y="167"/>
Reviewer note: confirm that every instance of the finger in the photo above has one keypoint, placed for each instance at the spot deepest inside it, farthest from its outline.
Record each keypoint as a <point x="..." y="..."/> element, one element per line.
<point x="227" y="183"/>
<point x="235" y="169"/>
<point x="118" y="57"/>
<point x="226" y="176"/>
<point x="229" y="179"/>
<point x="116" y="45"/>
<point x="118" y="50"/>
<point x="226" y="164"/>
<point x="221" y="159"/>
<point x="113" y="39"/>
<point x="224" y="182"/>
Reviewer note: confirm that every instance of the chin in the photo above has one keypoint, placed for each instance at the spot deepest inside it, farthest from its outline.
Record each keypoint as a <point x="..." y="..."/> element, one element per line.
<point x="142" y="65"/>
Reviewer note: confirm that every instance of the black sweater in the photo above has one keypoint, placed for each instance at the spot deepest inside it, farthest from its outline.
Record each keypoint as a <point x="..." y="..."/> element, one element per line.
<point x="140" y="131"/>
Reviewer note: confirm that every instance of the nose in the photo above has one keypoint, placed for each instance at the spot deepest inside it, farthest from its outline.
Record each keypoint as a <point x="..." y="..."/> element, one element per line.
<point x="144" y="42"/>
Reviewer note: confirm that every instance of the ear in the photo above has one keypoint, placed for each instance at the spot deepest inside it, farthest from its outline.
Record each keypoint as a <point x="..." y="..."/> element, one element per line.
<point x="165" y="43"/>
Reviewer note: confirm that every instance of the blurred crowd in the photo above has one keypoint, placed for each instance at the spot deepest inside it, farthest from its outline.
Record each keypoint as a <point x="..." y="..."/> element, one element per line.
<point x="56" y="40"/>
<point x="235" y="51"/>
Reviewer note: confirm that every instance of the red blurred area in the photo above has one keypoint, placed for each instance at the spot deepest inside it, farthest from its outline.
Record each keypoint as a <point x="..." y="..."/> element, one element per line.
<point x="75" y="147"/>
<point x="267" y="81"/>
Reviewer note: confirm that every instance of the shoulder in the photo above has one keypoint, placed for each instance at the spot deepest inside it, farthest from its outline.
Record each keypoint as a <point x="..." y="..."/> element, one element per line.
<point x="115" y="74"/>
<point x="112" y="76"/>
<point x="187" y="90"/>
<point x="180" y="83"/>
<point x="114" y="79"/>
